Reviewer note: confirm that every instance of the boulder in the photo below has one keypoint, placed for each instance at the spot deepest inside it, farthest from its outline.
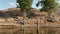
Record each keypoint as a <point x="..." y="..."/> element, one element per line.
<point x="2" y="20"/>
<point x="10" y="19"/>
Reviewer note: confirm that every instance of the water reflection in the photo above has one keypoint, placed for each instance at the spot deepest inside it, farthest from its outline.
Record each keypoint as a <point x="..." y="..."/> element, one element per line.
<point x="31" y="31"/>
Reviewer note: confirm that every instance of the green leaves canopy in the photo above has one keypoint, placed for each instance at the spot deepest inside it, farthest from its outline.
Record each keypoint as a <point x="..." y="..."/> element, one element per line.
<point x="52" y="4"/>
<point x="25" y="4"/>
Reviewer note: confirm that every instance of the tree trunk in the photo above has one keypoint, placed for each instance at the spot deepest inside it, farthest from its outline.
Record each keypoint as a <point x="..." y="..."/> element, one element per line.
<point x="25" y="13"/>
<point x="49" y="16"/>
<point x="24" y="16"/>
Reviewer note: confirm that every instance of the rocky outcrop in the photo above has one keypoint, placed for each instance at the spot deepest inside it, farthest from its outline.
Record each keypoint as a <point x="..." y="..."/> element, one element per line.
<point x="56" y="18"/>
<point x="12" y="13"/>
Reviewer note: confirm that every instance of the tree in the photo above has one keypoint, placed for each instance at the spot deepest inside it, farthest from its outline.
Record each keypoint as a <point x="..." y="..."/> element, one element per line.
<point x="49" y="6"/>
<point x="25" y="5"/>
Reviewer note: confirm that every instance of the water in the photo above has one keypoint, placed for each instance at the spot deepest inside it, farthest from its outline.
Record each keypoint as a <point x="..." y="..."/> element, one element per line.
<point x="31" y="31"/>
<point x="40" y="31"/>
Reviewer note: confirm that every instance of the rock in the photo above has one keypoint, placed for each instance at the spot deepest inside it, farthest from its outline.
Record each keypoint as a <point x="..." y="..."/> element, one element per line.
<point x="55" y="18"/>
<point x="10" y="19"/>
<point x="2" y="20"/>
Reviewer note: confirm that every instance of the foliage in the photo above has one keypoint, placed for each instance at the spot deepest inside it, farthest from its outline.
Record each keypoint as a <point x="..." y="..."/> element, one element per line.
<point x="49" y="6"/>
<point x="25" y="4"/>
<point x="52" y="4"/>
